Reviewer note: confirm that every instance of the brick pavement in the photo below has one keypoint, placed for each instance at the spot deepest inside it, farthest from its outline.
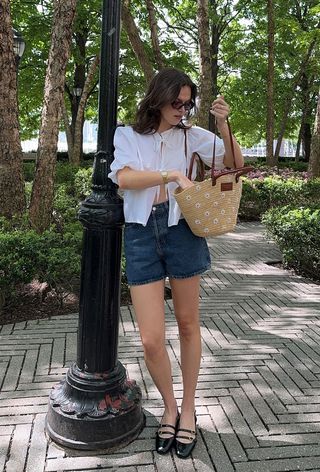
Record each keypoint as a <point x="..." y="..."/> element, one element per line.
<point x="258" y="397"/>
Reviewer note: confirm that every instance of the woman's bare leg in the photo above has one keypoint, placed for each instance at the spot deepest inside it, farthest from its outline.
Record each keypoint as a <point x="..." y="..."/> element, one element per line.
<point x="148" y="302"/>
<point x="185" y="293"/>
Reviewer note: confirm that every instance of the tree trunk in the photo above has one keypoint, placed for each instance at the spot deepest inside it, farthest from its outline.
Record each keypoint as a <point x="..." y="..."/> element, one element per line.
<point x="75" y="141"/>
<point x="270" y="85"/>
<point x="215" y="34"/>
<point x="78" y="132"/>
<point x="43" y="186"/>
<point x="81" y="37"/>
<point x="314" y="162"/>
<point x="287" y="105"/>
<point x="306" y="141"/>
<point x="12" y="194"/>
<point x="67" y="128"/>
<point x="135" y="41"/>
<point x="215" y="42"/>
<point x="154" y="35"/>
<point x="205" y="63"/>
<point x="298" y="148"/>
<point x="305" y="131"/>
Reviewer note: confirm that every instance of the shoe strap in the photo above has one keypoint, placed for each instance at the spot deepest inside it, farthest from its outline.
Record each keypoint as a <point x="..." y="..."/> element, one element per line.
<point x="187" y="430"/>
<point x="190" y="438"/>
<point x="167" y="426"/>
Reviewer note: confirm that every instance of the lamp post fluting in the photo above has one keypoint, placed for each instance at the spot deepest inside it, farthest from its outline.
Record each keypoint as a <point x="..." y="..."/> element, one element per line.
<point x="96" y="406"/>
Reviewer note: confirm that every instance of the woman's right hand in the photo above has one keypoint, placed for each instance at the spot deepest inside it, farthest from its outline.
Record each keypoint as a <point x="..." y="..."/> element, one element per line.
<point x="180" y="178"/>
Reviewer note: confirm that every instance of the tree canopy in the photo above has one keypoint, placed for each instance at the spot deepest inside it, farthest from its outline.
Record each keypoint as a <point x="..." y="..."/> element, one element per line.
<point x="239" y="29"/>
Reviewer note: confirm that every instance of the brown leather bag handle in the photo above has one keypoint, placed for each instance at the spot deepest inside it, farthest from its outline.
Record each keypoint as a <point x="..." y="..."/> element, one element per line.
<point x="214" y="150"/>
<point x="215" y="174"/>
<point x="195" y="156"/>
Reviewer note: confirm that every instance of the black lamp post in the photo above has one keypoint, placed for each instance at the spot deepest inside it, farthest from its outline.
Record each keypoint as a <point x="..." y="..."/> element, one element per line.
<point x="96" y="406"/>
<point x="18" y="45"/>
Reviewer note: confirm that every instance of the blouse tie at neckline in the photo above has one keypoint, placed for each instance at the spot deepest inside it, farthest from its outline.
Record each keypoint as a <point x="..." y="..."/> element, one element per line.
<point x="159" y="139"/>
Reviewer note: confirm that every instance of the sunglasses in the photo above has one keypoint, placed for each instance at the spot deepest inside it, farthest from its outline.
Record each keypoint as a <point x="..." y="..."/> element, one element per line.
<point x="178" y="104"/>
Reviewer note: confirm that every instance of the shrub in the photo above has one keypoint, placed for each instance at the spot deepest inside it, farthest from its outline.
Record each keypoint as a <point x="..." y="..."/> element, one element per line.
<point x="300" y="166"/>
<point x="28" y="171"/>
<point x="18" y="253"/>
<point x="65" y="173"/>
<point x="261" y="194"/>
<point x="83" y="182"/>
<point x="297" y="232"/>
<point x="59" y="259"/>
<point x="284" y="173"/>
<point x="50" y="257"/>
<point x="65" y="207"/>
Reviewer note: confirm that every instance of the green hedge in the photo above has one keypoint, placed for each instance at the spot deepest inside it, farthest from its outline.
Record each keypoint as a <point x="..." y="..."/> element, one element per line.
<point x="259" y="195"/>
<point x="297" y="232"/>
<point x="50" y="257"/>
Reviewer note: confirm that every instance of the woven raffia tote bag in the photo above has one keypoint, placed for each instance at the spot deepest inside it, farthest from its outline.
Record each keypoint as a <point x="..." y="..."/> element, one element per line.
<point x="211" y="206"/>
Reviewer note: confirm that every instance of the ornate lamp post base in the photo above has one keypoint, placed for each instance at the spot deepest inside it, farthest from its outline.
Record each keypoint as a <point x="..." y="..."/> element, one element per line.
<point x="96" y="407"/>
<point x="95" y="411"/>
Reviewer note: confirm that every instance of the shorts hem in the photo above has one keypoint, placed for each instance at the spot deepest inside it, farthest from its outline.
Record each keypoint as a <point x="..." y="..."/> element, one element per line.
<point x="187" y="276"/>
<point x="149" y="281"/>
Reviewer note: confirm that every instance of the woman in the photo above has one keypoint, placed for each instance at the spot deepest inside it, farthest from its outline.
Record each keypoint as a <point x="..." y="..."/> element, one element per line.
<point x="151" y="159"/>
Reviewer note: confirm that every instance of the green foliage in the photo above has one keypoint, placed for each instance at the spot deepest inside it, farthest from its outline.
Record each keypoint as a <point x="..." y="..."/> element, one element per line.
<point x="258" y="196"/>
<point x="297" y="232"/>
<point x="65" y="173"/>
<point x="28" y="171"/>
<point x="297" y="166"/>
<point x="33" y="20"/>
<point x="52" y="257"/>
<point x="18" y="254"/>
<point x="83" y="182"/>
<point x="65" y="206"/>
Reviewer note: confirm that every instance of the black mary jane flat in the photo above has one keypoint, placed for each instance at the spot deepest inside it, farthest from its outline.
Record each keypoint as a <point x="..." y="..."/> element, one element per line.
<point x="165" y="439"/>
<point x="184" y="449"/>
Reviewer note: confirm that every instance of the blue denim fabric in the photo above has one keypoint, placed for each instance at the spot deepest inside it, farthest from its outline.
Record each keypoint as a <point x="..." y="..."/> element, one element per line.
<point x="156" y="251"/>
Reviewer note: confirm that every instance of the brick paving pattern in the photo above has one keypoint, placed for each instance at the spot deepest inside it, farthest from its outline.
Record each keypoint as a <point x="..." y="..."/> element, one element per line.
<point x="258" y="397"/>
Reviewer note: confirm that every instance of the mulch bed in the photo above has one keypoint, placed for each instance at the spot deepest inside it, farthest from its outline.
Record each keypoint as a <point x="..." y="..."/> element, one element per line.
<point x="35" y="301"/>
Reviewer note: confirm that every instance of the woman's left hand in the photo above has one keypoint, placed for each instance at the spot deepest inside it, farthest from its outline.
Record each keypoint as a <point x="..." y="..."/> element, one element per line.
<point x="220" y="109"/>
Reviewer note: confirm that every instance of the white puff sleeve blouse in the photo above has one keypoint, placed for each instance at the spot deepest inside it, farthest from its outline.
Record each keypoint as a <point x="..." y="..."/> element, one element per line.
<point x="156" y="152"/>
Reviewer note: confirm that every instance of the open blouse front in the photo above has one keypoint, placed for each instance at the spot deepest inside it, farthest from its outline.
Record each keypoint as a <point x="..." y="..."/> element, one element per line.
<point x="156" y="152"/>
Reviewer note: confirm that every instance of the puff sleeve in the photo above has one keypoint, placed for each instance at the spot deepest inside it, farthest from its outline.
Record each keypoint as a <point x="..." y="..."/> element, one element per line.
<point x="201" y="141"/>
<point x="125" y="152"/>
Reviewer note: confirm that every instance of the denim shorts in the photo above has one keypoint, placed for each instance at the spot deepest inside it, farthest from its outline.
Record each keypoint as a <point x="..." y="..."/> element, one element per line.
<point x="156" y="251"/>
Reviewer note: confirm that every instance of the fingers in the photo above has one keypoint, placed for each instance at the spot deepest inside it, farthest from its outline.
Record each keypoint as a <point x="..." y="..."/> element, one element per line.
<point x="188" y="184"/>
<point x="219" y="108"/>
<point x="184" y="182"/>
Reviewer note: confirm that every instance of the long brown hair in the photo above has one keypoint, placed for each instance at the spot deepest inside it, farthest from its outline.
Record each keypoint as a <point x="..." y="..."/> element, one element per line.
<point x="164" y="88"/>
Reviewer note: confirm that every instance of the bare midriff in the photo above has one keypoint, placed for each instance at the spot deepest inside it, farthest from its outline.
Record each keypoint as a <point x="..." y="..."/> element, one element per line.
<point x="163" y="195"/>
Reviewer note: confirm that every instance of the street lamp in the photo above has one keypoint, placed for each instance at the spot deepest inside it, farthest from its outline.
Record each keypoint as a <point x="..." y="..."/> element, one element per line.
<point x="77" y="91"/>
<point x="96" y="406"/>
<point x="18" y="45"/>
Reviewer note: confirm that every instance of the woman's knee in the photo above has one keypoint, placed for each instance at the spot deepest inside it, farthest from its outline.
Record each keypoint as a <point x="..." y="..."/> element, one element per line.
<point x="153" y="346"/>
<point x="188" y="326"/>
